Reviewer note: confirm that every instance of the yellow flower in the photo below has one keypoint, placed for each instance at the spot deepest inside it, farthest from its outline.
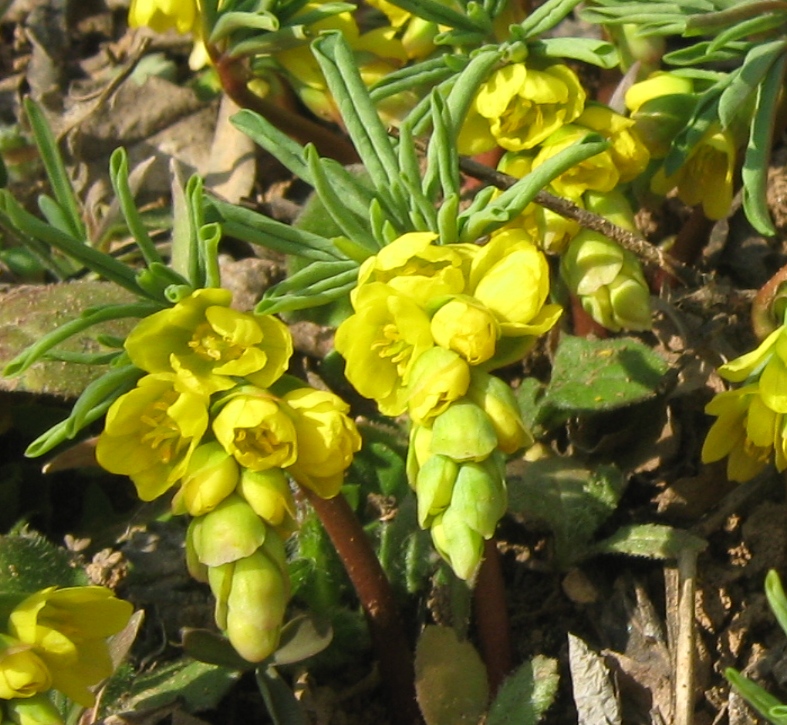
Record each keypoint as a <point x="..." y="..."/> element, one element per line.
<point x="327" y="440"/>
<point x="22" y="672"/>
<point x="467" y="327"/>
<point x="518" y="107"/>
<point x="67" y="629"/>
<point x="439" y="378"/>
<point x="745" y="430"/>
<point x="257" y="430"/>
<point x="417" y="268"/>
<point x="705" y="176"/>
<point x="657" y="85"/>
<point x="208" y="344"/>
<point x="164" y="15"/>
<point x="211" y="476"/>
<point x="510" y="277"/>
<point x="380" y="343"/>
<point x="151" y="432"/>
<point x="627" y="151"/>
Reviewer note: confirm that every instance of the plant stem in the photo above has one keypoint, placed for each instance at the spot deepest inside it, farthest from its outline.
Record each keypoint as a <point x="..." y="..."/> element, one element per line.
<point x="234" y="80"/>
<point x="491" y="614"/>
<point x="763" y="320"/>
<point x="376" y="595"/>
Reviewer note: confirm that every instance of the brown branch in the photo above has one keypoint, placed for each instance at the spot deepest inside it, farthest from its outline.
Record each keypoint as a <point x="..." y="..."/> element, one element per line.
<point x="377" y="599"/>
<point x="491" y="616"/>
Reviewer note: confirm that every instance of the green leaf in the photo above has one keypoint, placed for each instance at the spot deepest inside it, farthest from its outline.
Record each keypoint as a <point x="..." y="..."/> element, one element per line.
<point x="653" y="541"/>
<point x="317" y="284"/>
<point x="762" y="701"/>
<point x="254" y="228"/>
<point x="754" y="173"/>
<point x="571" y="499"/>
<point x="212" y="648"/>
<point x="302" y="637"/>
<point x="229" y="22"/>
<point x="428" y="74"/>
<point x="587" y="50"/>
<point x="441" y="14"/>
<point x="545" y="17"/>
<point x="55" y="168"/>
<point x="701" y="53"/>
<point x="475" y="223"/>
<point x="282" y="705"/>
<point x="748" y="28"/>
<point x="29" y="563"/>
<point x="197" y="685"/>
<point x="450" y="678"/>
<point x="737" y="97"/>
<point x="527" y="694"/>
<point x="32" y="313"/>
<point x="595" y="375"/>
<point x="776" y="598"/>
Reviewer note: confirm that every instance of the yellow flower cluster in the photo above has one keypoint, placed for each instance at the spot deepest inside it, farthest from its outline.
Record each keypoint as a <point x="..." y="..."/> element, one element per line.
<point x="205" y="418"/>
<point x="750" y="427"/>
<point x="429" y="322"/>
<point x="55" y="639"/>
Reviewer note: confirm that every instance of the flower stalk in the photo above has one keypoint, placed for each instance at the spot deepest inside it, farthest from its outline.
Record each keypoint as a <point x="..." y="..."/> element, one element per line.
<point x="377" y="599"/>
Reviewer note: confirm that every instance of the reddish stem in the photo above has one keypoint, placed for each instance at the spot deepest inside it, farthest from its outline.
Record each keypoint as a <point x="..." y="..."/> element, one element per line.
<point x="688" y="245"/>
<point x="762" y="318"/>
<point x="491" y="615"/>
<point x="584" y="325"/>
<point x="377" y="599"/>
<point x="235" y="78"/>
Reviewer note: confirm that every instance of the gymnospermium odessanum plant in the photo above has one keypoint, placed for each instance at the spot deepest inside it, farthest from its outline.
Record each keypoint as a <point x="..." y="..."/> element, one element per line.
<point x="400" y="202"/>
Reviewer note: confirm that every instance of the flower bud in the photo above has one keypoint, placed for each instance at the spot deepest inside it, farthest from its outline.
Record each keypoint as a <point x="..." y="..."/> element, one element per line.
<point x="479" y="497"/>
<point x="220" y="581"/>
<point x="464" y="325"/>
<point x="418" y="452"/>
<point x="463" y="432"/>
<point x="196" y="568"/>
<point x="269" y="495"/>
<point x="434" y="486"/>
<point x="457" y="543"/>
<point x="255" y="606"/>
<point x="22" y="672"/>
<point x="497" y="400"/>
<point x="228" y="533"/>
<point x="211" y="476"/>
<point x="36" y="710"/>
<point x="439" y="378"/>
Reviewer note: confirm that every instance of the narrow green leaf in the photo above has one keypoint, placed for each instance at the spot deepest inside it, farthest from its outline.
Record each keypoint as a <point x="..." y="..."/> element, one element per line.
<point x="280" y="145"/>
<point x="544" y="17"/>
<point x="587" y="50"/>
<point x="754" y="173"/>
<point x="55" y="168"/>
<point x="464" y="88"/>
<point x="196" y="215"/>
<point x="313" y="286"/>
<point x="737" y="97"/>
<point x="441" y="14"/>
<point x="700" y="53"/>
<point x="776" y="598"/>
<point x="229" y="22"/>
<point x="209" y="237"/>
<point x="54" y="214"/>
<point x="118" y="174"/>
<point x="512" y="202"/>
<point x="86" y="320"/>
<point x="761" y="700"/>
<point x="750" y="27"/>
<point x="254" y="228"/>
<point x="442" y="166"/>
<point x="334" y="202"/>
<point x="359" y="114"/>
<point x="426" y="74"/>
<point x="97" y="261"/>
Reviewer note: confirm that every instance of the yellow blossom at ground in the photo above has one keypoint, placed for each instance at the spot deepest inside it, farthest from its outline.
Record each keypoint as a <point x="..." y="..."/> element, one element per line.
<point x="151" y="432"/>
<point x="164" y="15"/>
<point x="67" y="629"/>
<point x="519" y="107"/>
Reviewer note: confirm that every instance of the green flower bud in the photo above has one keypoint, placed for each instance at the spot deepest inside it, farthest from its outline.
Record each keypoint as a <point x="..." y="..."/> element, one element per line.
<point x="256" y="606"/>
<point x="463" y="432"/>
<point x="228" y="533"/>
<point x="211" y="476"/>
<point x="196" y="568"/>
<point x="457" y="543"/>
<point x="466" y="326"/>
<point x="220" y="580"/>
<point x="36" y="710"/>
<point x="268" y="493"/>
<point x="497" y="400"/>
<point x="439" y="377"/>
<point x="479" y="496"/>
<point x="434" y="486"/>
<point x="418" y="452"/>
